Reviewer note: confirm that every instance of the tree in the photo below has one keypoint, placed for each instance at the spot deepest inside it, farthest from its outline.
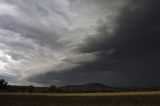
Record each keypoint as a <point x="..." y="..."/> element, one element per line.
<point x="30" y="89"/>
<point x="52" y="88"/>
<point x="3" y="84"/>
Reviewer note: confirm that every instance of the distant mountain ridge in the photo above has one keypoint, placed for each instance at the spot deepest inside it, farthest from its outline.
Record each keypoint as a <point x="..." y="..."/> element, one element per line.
<point x="86" y="87"/>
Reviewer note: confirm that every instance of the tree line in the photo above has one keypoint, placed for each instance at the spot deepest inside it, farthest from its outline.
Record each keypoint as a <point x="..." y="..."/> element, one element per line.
<point x="4" y="87"/>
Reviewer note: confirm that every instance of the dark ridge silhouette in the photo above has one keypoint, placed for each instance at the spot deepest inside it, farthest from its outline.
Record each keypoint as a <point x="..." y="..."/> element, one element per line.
<point x="86" y="87"/>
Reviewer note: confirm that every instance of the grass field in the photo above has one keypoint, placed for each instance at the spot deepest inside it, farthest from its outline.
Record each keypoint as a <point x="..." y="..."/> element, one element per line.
<point x="81" y="99"/>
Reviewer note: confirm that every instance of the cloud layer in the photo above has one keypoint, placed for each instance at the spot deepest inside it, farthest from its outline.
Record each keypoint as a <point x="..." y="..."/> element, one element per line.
<point x="71" y="41"/>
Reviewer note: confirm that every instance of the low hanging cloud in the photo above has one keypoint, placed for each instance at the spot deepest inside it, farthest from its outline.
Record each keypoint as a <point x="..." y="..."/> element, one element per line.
<point x="38" y="36"/>
<point x="71" y="41"/>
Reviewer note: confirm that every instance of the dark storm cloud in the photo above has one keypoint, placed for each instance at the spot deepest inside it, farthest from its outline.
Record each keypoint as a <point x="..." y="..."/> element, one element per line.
<point x="136" y="31"/>
<point x="129" y="56"/>
<point x="72" y="76"/>
<point x="136" y="36"/>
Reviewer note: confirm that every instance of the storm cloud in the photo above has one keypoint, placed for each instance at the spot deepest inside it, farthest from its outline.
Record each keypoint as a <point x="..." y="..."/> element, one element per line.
<point x="115" y="42"/>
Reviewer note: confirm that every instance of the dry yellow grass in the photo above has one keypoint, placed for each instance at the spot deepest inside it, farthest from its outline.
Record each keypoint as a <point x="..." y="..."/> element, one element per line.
<point x="89" y="94"/>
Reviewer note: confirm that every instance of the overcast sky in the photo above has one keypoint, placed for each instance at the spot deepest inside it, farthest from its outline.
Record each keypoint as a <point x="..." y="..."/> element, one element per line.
<point x="114" y="42"/>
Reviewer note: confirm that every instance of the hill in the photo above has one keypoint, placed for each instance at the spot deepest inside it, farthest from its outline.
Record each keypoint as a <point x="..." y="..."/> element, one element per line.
<point x="86" y="87"/>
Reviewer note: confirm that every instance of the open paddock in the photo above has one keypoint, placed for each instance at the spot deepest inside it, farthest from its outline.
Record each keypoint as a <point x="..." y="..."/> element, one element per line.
<point x="81" y="99"/>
